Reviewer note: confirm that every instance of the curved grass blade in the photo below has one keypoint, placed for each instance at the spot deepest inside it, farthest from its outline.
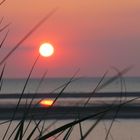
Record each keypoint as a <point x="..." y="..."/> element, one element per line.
<point x="1" y="76"/>
<point x="68" y="133"/>
<point x="19" y="132"/>
<point x="56" y="138"/>
<point x="2" y="2"/>
<point x="112" y="122"/>
<point x="17" y="106"/>
<point x="33" y="131"/>
<point x="119" y="108"/>
<point x="58" y="97"/>
<point x="93" y="92"/>
<point x="28" y="34"/>
<point x="62" y="86"/>
<point x="18" y="128"/>
<point x="1" y="83"/>
<point x="107" y="130"/>
<point x="3" y="28"/>
<point x="96" y="88"/>
<point x="122" y="80"/>
<point x="29" y="106"/>
<point x="81" y="131"/>
<point x="46" y="129"/>
<point x="4" y="122"/>
<point x="1" y="20"/>
<point x="92" y="127"/>
<point x="64" y="127"/>
<point x="114" y="77"/>
<point x="1" y="44"/>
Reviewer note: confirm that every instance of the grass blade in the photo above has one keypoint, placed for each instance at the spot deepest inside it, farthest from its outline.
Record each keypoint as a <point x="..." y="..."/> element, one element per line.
<point x="3" y="28"/>
<point x="19" y="132"/>
<point x="107" y="130"/>
<point x="29" y="106"/>
<point x="114" y="78"/>
<point x="17" y="106"/>
<point x="92" y="127"/>
<point x="93" y="92"/>
<point x="56" y="138"/>
<point x="1" y="76"/>
<point x="113" y="120"/>
<point x="119" y="108"/>
<point x="28" y="34"/>
<point x="2" y="2"/>
<point x="81" y="131"/>
<point x="1" y="20"/>
<point x="1" y="84"/>
<point x="68" y="133"/>
<point x="59" y="96"/>
<point x="64" y="127"/>
<point x="2" y="72"/>
<point x="33" y="131"/>
<point x="46" y="129"/>
<point x="4" y="122"/>
<point x="96" y="88"/>
<point x="1" y="44"/>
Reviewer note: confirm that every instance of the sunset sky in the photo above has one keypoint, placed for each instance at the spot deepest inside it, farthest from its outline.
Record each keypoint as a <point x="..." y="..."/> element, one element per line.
<point x="92" y="35"/>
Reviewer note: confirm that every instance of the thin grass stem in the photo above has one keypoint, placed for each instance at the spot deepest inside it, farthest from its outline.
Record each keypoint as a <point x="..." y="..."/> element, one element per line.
<point x="2" y="2"/>
<point x="17" y="106"/>
<point x="27" y="35"/>
<point x="64" y="127"/>
<point x="1" y="44"/>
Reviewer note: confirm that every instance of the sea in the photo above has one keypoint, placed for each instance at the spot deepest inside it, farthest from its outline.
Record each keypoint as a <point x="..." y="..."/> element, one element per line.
<point x="75" y="93"/>
<point x="80" y="84"/>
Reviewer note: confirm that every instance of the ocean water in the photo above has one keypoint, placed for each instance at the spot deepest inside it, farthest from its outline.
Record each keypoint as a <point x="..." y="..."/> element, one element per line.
<point x="82" y="85"/>
<point x="122" y="129"/>
<point x="79" y="86"/>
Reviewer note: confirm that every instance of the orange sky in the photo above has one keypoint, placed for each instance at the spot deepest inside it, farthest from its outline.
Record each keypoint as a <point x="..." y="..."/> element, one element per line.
<point x="92" y="35"/>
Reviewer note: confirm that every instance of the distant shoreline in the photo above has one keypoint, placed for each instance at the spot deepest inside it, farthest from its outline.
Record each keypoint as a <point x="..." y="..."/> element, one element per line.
<point x="70" y="95"/>
<point x="81" y="77"/>
<point x="126" y="112"/>
<point x="129" y="111"/>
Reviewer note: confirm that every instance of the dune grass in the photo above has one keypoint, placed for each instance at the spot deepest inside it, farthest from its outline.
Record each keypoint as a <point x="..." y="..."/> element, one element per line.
<point x="20" y="131"/>
<point x="2" y="2"/>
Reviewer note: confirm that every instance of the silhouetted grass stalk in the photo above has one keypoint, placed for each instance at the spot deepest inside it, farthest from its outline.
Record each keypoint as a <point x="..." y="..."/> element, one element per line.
<point x="27" y="35"/>
<point x="66" y="126"/>
<point x="2" y="2"/>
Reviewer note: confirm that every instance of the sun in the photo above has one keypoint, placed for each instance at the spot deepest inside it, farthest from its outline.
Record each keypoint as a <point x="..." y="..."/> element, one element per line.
<point x="46" y="49"/>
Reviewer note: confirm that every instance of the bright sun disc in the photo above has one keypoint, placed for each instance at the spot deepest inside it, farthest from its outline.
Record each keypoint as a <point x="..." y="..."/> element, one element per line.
<point x="46" y="50"/>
